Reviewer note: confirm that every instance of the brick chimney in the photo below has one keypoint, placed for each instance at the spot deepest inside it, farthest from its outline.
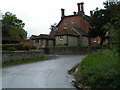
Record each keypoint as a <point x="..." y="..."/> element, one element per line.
<point x="82" y="7"/>
<point x="78" y="7"/>
<point x="74" y="13"/>
<point x="91" y="13"/>
<point x="62" y="12"/>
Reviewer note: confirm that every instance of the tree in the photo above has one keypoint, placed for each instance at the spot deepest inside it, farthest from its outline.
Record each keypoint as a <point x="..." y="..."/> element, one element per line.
<point x="99" y="19"/>
<point x="102" y="19"/>
<point x="13" y="27"/>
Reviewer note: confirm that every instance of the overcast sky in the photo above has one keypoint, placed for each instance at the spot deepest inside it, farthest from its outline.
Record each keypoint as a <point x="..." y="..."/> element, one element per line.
<point x="38" y="15"/>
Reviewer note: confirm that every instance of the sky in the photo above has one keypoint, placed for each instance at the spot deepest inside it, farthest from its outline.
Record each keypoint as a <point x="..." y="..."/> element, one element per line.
<point x="39" y="15"/>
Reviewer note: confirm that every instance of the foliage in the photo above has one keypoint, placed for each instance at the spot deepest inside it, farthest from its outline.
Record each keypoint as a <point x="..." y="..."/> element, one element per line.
<point x="13" y="27"/>
<point x="27" y="46"/>
<point x="101" y="70"/>
<point x="115" y="24"/>
<point x="15" y="47"/>
<point x="10" y="47"/>
<point x="103" y="19"/>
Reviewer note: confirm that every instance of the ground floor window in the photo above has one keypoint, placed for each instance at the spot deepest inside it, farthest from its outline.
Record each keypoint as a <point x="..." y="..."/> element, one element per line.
<point x="61" y="37"/>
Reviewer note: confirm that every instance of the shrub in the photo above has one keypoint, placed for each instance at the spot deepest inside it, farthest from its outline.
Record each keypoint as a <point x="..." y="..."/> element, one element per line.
<point x="101" y="70"/>
<point x="12" y="49"/>
<point x="15" y="47"/>
<point x="27" y="46"/>
<point x="10" y="46"/>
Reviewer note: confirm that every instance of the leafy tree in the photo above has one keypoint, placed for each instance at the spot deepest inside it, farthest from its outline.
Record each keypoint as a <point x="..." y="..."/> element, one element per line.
<point x="104" y="20"/>
<point x="13" y="27"/>
<point x="114" y="10"/>
<point x="99" y="19"/>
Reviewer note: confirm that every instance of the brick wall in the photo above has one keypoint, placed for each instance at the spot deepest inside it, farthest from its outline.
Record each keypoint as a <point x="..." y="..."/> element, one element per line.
<point x="79" y="22"/>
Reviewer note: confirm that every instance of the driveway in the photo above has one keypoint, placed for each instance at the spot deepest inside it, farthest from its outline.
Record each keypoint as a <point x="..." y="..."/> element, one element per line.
<point x="43" y="74"/>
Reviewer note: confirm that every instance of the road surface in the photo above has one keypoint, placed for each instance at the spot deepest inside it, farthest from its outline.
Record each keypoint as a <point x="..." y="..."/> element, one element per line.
<point x="43" y="74"/>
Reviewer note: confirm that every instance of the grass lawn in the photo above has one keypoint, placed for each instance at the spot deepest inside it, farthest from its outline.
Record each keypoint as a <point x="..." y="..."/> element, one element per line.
<point x="99" y="70"/>
<point x="24" y="61"/>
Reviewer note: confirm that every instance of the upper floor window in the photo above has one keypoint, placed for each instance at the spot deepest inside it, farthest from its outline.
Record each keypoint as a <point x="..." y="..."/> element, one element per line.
<point x="65" y="22"/>
<point x="72" y="21"/>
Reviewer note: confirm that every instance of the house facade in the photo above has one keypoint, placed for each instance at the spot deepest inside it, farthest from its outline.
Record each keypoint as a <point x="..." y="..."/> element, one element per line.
<point x="76" y="28"/>
<point x="43" y="41"/>
<point x="67" y="37"/>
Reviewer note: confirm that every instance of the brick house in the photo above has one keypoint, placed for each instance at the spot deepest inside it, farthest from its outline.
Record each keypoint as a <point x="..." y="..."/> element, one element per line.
<point x="77" y="23"/>
<point x="42" y="41"/>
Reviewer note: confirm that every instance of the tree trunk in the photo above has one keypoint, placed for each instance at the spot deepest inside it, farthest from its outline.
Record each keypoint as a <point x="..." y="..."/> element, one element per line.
<point x="102" y="40"/>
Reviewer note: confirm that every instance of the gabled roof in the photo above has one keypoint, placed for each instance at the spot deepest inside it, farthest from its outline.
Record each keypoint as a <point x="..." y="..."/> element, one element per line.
<point x="87" y="18"/>
<point x="43" y="36"/>
<point x="67" y="32"/>
<point x="33" y="36"/>
<point x="72" y="32"/>
<point x="80" y="31"/>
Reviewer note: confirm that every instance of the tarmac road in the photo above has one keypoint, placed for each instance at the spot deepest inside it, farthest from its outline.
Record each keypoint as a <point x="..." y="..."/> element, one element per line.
<point x="43" y="74"/>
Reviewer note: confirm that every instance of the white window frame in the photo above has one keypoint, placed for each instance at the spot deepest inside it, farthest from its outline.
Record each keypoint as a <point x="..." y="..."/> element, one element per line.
<point x="72" y="21"/>
<point x="61" y="37"/>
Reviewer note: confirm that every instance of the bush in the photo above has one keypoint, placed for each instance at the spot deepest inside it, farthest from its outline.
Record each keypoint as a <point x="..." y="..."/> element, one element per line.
<point x="10" y="46"/>
<point x="101" y="70"/>
<point x="27" y="46"/>
<point x="12" y="49"/>
<point x="15" y="47"/>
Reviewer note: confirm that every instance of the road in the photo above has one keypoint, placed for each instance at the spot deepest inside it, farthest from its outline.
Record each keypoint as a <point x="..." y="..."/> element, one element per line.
<point x="43" y="74"/>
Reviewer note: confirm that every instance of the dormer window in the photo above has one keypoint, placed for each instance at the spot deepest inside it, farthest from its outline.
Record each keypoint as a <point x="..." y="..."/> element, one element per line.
<point x="72" y="21"/>
<point x="65" y="22"/>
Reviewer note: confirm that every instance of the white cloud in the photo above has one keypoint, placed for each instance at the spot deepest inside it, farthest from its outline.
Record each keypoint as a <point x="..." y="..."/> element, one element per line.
<point x="38" y="15"/>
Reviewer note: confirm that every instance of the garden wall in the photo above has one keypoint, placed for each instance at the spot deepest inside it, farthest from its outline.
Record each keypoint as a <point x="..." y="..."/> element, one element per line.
<point x="70" y="50"/>
<point x="21" y="55"/>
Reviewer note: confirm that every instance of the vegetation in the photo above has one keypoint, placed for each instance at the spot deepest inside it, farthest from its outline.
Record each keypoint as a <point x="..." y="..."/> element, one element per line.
<point x="24" y="61"/>
<point x="15" y="47"/>
<point x="102" y="69"/>
<point x="104" y="20"/>
<point x="99" y="70"/>
<point x="13" y="27"/>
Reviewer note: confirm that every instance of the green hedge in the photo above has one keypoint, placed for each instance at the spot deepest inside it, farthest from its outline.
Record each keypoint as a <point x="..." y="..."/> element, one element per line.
<point x="14" y="47"/>
<point x="101" y="70"/>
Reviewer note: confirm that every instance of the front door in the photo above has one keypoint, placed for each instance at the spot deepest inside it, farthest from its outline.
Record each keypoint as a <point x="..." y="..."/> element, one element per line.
<point x="47" y="43"/>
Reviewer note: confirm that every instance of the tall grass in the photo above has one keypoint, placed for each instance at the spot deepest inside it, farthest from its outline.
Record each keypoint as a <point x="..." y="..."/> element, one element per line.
<point x="101" y="70"/>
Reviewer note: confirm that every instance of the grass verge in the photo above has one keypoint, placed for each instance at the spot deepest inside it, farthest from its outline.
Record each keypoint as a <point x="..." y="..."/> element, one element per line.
<point x="99" y="70"/>
<point x="24" y="61"/>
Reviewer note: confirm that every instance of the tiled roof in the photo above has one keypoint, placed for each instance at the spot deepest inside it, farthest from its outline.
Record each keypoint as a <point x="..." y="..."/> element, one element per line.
<point x="43" y="36"/>
<point x="81" y="31"/>
<point x="66" y="32"/>
<point x="87" y="18"/>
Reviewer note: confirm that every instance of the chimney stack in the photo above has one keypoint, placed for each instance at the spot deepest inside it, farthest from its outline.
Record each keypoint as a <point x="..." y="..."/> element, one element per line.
<point x="91" y="13"/>
<point x="78" y="7"/>
<point x="82" y="7"/>
<point x="74" y="13"/>
<point x="62" y="12"/>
